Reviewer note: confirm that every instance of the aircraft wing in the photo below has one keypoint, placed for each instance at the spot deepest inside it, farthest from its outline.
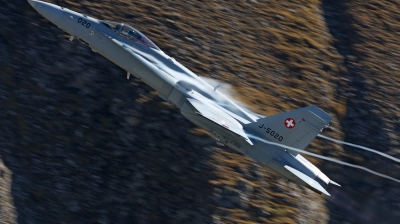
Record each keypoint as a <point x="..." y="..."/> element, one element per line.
<point x="218" y="116"/>
<point x="199" y="105"/>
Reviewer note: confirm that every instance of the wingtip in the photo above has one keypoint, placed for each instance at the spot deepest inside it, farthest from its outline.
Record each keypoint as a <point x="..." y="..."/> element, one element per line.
<point x="333" y="182"/>
<point x="326" y="193"/>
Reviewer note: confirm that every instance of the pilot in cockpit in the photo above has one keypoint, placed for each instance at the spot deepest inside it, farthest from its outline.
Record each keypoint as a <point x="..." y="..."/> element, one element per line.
<point x="135" y="35"/>
<point x="129" y="33"/>
<point x="116" y="28"/>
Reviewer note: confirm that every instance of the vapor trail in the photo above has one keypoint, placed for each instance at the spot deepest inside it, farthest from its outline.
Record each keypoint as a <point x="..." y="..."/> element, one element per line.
<point x="360" y="147"/>
<point x="326" y="158"/>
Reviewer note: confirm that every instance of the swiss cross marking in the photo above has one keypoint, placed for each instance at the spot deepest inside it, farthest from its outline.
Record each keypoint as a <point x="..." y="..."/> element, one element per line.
<point x="290" y="123"/>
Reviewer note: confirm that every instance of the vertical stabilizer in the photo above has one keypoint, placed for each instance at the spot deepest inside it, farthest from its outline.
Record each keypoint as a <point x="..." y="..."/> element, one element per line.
<point x="296" y="128"/>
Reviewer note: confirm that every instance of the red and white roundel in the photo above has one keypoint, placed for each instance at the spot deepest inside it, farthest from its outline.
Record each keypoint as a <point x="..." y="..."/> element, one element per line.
<point x="290" y="123"/>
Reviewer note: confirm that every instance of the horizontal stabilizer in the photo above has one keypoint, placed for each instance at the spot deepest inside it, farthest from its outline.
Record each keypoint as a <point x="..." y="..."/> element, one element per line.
<point x="308" y="180"/>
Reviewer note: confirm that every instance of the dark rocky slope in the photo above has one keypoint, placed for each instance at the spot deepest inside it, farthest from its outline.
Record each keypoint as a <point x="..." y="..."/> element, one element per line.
<point x="81" y="144"/>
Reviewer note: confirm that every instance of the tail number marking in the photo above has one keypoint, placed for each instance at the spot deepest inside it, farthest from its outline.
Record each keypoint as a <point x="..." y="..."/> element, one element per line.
<point x="84" y="23"/>
<point x="272" y="133"/>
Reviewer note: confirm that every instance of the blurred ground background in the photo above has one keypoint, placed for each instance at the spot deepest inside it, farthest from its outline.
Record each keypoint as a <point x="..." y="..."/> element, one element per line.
<point x="81" y="144"/>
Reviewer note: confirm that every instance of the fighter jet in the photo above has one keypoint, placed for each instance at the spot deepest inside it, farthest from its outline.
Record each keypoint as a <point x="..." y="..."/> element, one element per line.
<point x="268" y="140"/>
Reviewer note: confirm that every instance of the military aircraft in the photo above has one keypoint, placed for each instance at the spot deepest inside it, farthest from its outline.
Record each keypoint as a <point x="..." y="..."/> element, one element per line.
<point x="198" y="101"/>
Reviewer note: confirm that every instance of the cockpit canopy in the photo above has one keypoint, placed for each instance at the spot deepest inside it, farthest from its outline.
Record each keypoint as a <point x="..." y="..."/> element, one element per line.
<point x="129" y="33"/>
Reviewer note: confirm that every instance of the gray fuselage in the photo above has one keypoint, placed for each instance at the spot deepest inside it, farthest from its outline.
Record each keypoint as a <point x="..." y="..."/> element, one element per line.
<point x="175" y="84"/>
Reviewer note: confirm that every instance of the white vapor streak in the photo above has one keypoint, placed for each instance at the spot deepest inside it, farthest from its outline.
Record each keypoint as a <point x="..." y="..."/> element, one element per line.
<point x="326" y="158"/>
<point x="227" y="90"/>
<point x="360" y="147"/>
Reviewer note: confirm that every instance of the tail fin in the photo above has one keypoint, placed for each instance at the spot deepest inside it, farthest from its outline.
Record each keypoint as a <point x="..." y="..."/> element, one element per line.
<point x="296" y="128"/>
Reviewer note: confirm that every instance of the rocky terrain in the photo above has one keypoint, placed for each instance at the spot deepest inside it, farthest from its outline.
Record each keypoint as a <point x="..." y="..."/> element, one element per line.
<point x="81" y="144"/>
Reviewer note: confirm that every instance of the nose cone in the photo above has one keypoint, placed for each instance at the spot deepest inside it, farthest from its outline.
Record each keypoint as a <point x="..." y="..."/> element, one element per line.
<point x="48" y="10"/>
<point x="35" y="4"/>
<point x="32" y="2"/>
